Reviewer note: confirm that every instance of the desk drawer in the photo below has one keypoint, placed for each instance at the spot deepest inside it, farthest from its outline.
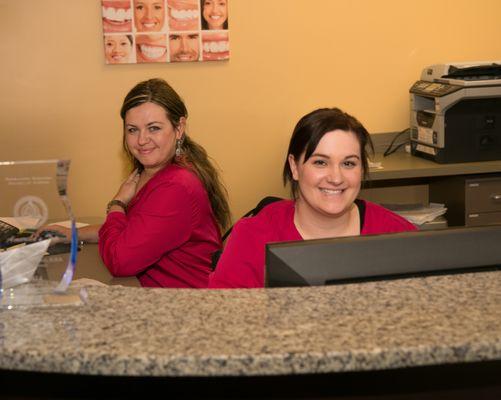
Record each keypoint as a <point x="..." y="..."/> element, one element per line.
<point x="482" y="219"/>
<point x="483" y="195"/>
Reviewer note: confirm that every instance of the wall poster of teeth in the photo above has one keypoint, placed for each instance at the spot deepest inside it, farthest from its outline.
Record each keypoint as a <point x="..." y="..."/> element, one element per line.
<point x="159" y="31"/>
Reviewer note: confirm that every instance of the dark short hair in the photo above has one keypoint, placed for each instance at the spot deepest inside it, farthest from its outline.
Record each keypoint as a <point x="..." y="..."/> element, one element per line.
<point x="312" y="127"/>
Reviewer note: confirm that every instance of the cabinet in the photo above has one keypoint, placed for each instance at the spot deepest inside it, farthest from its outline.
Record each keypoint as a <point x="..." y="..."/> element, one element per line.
<point x="470" y="191"/>
<point x="470" y="200"/>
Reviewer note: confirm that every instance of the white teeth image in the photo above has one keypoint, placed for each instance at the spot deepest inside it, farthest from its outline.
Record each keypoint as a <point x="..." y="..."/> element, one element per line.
<point x="152" y="52"/>
<point x="183" y="14"/>
<point x="119" y="15"/>
<point x="215" y="17"/>
<point x="331" y="191"/>
<point x="216" y="47"/>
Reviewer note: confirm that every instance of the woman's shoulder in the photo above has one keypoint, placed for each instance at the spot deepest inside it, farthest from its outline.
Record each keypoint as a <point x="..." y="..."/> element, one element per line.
<point x="268" y="220"/>
<point x="178" y="173"/>
<point x="275" y="212"/>
<point x="180" y="176"/>
<point x="174" y="182"/>
<point x="381" y="220"/>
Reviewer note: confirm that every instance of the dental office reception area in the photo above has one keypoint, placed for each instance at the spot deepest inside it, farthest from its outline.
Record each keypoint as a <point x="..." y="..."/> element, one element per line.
<point x="433" y="335"/>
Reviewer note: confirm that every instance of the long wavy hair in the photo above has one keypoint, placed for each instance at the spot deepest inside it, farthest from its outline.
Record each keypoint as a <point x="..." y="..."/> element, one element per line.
<point x="193" y="156"/>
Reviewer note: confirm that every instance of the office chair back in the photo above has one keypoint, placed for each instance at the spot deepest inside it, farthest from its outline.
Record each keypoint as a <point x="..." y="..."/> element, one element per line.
<point x="262" y="203"/>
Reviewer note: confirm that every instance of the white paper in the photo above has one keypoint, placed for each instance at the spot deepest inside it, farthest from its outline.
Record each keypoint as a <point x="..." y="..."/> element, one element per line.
<point x="420" y="214"/>
<point x="67" y="224"/>
<point x="22" y="223"/>
<point x="18" y="265"/>
<point x="375" y="165"/>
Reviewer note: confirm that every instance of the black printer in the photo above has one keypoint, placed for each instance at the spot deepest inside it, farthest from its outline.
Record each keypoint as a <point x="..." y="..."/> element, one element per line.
<point x="456" y="112"/>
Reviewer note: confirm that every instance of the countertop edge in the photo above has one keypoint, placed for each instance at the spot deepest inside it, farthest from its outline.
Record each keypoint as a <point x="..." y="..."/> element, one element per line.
<point x="251" y="365"/>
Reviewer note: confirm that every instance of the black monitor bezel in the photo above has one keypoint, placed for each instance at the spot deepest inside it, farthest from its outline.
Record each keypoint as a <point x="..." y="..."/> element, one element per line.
<point x="394" y="255"/>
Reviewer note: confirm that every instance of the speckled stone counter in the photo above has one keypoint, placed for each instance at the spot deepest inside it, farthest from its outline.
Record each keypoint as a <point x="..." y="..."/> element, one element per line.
<point x="166" y="332"/>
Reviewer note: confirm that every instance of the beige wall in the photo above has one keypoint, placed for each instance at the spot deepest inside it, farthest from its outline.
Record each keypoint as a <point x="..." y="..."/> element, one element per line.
<point x="59" y="99"/>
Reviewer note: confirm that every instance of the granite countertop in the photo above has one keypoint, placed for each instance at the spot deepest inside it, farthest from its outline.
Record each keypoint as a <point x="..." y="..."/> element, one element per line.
<point x="167" y="332"/>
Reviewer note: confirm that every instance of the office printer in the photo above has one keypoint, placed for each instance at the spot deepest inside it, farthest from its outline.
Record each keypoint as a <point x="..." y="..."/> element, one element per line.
<point x="456" y="112"/>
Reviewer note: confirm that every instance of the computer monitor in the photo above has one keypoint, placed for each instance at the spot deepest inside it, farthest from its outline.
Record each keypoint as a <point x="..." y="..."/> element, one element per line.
<point x="373" y="257"/>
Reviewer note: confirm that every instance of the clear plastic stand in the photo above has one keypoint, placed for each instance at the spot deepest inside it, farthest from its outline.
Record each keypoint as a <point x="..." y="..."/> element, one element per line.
<point x="41" y="294"/>
<point x="33" y="182"/>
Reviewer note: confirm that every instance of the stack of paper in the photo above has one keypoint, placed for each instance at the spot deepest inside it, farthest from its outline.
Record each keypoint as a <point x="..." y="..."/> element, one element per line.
<point x="418" y="213"/>
<point x="375" y="165"/>
<point x="22" y="223"/>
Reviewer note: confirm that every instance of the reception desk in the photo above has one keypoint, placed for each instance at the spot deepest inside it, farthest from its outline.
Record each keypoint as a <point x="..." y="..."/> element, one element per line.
<point x="423" y="337"/>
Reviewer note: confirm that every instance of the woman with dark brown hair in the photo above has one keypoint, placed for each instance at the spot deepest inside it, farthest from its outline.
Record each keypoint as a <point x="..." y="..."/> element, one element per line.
<point x="325" y="164"/>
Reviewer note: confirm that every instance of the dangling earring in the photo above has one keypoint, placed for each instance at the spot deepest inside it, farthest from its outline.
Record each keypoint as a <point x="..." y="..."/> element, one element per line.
<point x="179" y="148"/>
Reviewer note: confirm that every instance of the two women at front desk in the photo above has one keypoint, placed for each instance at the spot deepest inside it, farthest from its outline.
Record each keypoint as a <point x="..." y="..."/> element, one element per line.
<point x="164" y="223"/>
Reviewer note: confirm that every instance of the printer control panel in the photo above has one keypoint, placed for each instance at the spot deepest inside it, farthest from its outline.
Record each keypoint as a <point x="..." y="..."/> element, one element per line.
<point x="433" y="89"/>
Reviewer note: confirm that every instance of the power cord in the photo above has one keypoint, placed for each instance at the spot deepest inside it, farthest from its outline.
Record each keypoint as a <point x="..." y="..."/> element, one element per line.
<point x="391" y="149"/>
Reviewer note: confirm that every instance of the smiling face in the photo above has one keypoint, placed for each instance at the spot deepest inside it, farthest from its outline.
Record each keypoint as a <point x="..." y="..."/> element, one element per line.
<point x="150" y="136"/>
<point x="215" y="46"/>
<point x="184" y="15"/>
<point x="215" y="13"/>
<point x="329" y="181"/>
<point x="117" y="49"/>
<point x="149" y="15"/>
<point x="184" y="47"/>
<point x="117" y="15"/>
<point x="151" y="48"/>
